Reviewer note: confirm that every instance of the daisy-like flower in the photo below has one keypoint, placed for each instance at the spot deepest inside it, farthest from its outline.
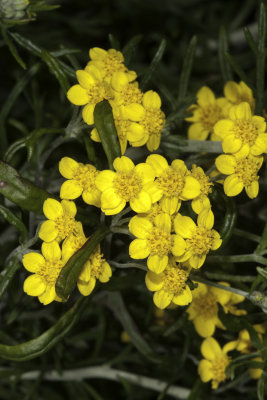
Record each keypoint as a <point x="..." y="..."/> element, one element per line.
<point x="170" y="285"/>
<point x="130" y="183"/>
<point x="203" y="311"/>
<point x="215" y="361"/>
<point x="90" y="91"/>
<point x="155" y="241"/>
<point x="243" y="342"/>
<point x="206" y="113"/>
<point x="243" y="173"/>
<point x="174" y="183"/>
<point x="108" y="62"/>
<point x="61" y="220"/>
<point x="45" y="269"/>
<point x="81" y="181"/>
<point x="125" y="90"/>
<point x="96" y="268"/>
<point x="202" y="201"/>
<point x="147" y="121"/>
<point x="236" y="93"/>
<point x="73" y="242"/>
<point x="200" y="238"/>
<point x="242" y="131"/>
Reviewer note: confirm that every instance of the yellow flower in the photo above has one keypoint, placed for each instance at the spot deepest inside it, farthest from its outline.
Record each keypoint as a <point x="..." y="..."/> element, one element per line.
<point x="244" y="344"/>
<point x="73" y="242"/>
<point x="81" y="181"/>
<point x="95" y="268"/>
<point x="170" y="285"/>
<point x="234" y="299"/>
<point x="215" y="361"/>
<point x="203" y="311"/>
<point x="125" y="90"/>
<point x="107" y="61"/>
<point x="174" y="183"/>
<point x="242" y="131"/>
<point x="154" y="241"/>
<point x="206" y="113"/>
<point x="236" y="93"/>
<point x="90" y="91"/>
<point x="61" y="220"/>
<point x="45" y="268"/>
<point x="255" y="373"/>
<point x="242" y="173"/>
<point x="130" y="183"/>
<point x="200" y="238"/>
<point x="147" y="121"/>
<point x="202" y="201"/>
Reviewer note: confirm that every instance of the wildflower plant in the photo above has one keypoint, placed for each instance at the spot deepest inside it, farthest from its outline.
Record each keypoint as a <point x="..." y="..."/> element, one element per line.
<point x="133" y="216"/>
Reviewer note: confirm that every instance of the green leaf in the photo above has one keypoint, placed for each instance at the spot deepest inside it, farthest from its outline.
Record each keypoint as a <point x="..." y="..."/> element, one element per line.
<point x="20" y="190"/>
<point x="130" y="47"/>
<point x="199" y="391"/>
<point x="251" y="41"/>
<point x="238" y="362"/>
<point x="12" y="47"/>
<point x="154" y="64"/>
<point x="15" y="221"/>
<point x="239" y="71"/>
<point x="7" y="275"/>
<point x="56" y="69"/>
<point x="114" y="301"/>
<point x="261" y="386"/>
<point x="43" y="343"/>
<point x="114" y="42"/>
<point x="104" y="123"/>
<point x="68" y="276"/>
<point x="222" y="50"/>
<point x="186" y="69"/>
<point x="260" y="64"/>
<point x="263" y="242"/>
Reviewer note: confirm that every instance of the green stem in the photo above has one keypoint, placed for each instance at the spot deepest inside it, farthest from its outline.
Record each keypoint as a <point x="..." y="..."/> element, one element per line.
<point x="192" y="146"/>
<point x="228" y="277"/>
<point x="223" y="287"/>
<point x="128" y="265"/>
<point x="247" y="235"/>
<point x="121" y="229"/>
<point x="237" y="259"/>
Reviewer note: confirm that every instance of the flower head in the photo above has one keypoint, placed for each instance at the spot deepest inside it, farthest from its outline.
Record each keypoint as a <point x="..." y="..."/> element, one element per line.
<point x="61" y="220"/>
<point x="155" y="241"/>
<point x="45" y="268"/>
<point x="243" y="173"/>
<point x="206" y="113"/>
<point x="130" y="183"/>
<point x="236" y="93"/>
<point x="170" y="285"/>
<point x="81" y="181"/>
<point x="200" y="238"/>
<point x="215" y="361"/>
<point x="125" y="90"/>
<point x="174" y="183"/>
<point x="202" y="201"/>
<point x="242" y="131"/>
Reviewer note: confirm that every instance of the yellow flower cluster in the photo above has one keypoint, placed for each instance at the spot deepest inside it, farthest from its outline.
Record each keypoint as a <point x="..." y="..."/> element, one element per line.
<point x="61" y="226"/>
<point x="138" y="117"/>
<point x="230" y="119"/>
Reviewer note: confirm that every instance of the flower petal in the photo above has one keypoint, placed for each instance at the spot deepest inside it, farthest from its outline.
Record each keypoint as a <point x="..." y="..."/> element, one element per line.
<point x="162" y="299"/>
<point x="48" y="231"/>
<point x="123" y="164"/>
<point x="184" y="226"/>
<point x="85" y="79"/>
<point x="34" y="285"/>
<point x="104" y="180"/>
<point x="140" y="227"/>
<point x="146" y="172"/>
<point x="223" y="128"/>
<point x="179" y="245"/>
<point x="77" y="95"/>
<point x="51" y="251"/>
<point x="158" y="163"/>
<point x="68" y="167"/>
<point x="110" y="199"/>
<point x="33" y="262"/>
<point x="106" y="272"/>
<point x="88" y="114"/>
<point x="48" y="296"/>
<point x="157" y="263"/>
<point x="184" y="298"/>
<point x="191" y="188"/>
<point x="205" y="96"/>
<point x="163" y="222"/>
<point x="138" y="249"/>
<point x="69" y="208"/>
<point x="52" y="209"/>
<point x="153" y="281"/>
<point x="86" y="288"/>
<point x="232" y="185"/>
<point x="151" y="99"/>
<point x="231" y="144"/>
<point x="205" y="370"/>
<point x="225" y="164"/>
<point x="141" y="203"/>
<point x="70" y="190"/>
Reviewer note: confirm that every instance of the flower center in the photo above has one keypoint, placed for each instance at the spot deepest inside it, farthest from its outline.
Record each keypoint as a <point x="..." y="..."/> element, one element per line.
<point x="159" y="242"/>
<point x="209" y="115"/>
<point x="205" y="305"/>
<point x="127" y="185"/>
<point x="201" y="177"/>
<point x="153" y="121"/>
<point x="175" y="279"/>
<point x="50" y="271"/>
<point x="246" y="131"/>
<point x="122" y="127"/>
<point x="96" y="265"/>
<point x="112" y="63"/>
<point x="86" y="175"/>
<point x="98" y="92"/>
<point x="171" y="182"/>
<point x="131" y="94"/>
<point x="201" y="241"/>
<point x="64" y="225"/>
<point x="218" y="369"/>
<point x="246" y="169"/>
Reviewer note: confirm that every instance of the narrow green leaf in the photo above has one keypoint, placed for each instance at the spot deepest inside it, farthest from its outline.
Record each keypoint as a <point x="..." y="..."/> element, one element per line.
<point x="104" y="123"/>
<point x="43" y="343"/>
<point x="20" y="190"/>
<point x="130" y="47"/>
<point x="222" y="50"/>
<point x="260" y="64"/>
<point x="114" y="42"/>
<point x="238" y="362"/>
<point x="263" y="242"/>
<point x="114" y="301"/>
<point x="12" y="47"/>
<point x="154" y="64"/>
<point x="199" y="391"/>
<point x="68" y="276"/>
<point x="239" y="71"/>
<point x="37" y="51"/>
<point x="56" y="69"/>
<point x="15" y="221"/>
<point x="254" y="337"/>
<point x="261" y="386"/>
<point x="186" y="69"/>
<point x="7" y="275"/>
<point x="9" y="103"/>
<point x="251" y="41"/>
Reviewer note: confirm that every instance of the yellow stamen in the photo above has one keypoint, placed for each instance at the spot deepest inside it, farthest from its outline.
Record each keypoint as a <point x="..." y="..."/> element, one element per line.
<point x="159" y="242"/>
<point x="201" y="241"/>
<point x="175" y="279"/>
<point x="153" y="121"/>
<point x="205" y="305"/>
<point x="209" y="115"/>
<point x="86" y="175"/>
<point x="50" y="271"/>
<point x="246" y="131"/>
<point x="202" y="178"/>
<point x="127" y="185"/>
<point x="218" y="369"/>
<point x="246" y="169"/>
<point x="171" y="182"/>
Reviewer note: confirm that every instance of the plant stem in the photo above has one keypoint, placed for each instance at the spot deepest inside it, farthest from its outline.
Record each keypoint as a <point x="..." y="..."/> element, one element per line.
<point x="247" y="235"/>
<point x="223" y="287"/>
<point x="237" y="259"/>
<point x="128" y="265"/>
<point x="228" y="277"/>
